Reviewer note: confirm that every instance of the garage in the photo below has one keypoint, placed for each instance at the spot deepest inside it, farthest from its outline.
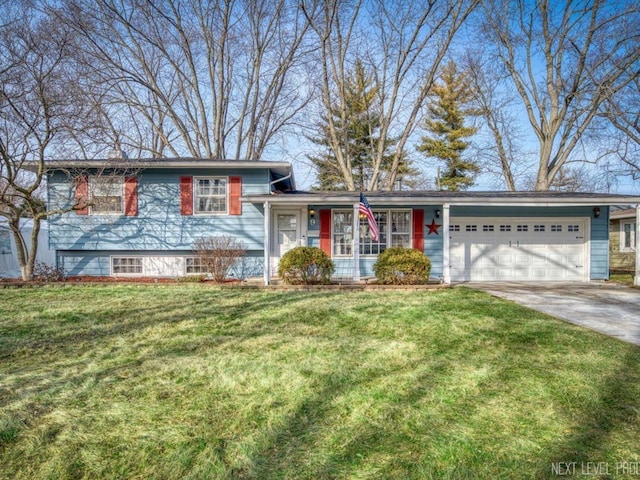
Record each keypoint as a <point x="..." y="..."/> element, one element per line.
<point x="518" y="249"/>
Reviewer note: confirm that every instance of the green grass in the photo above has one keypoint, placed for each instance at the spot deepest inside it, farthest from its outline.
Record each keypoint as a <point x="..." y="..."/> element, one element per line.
<point x="623" y="278"/>
<point x="195" y="382"/>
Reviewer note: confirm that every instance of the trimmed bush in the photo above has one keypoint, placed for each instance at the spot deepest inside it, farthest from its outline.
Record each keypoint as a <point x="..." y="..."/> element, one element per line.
<point x="402" y="266"/>
<point x="305" y="265"/>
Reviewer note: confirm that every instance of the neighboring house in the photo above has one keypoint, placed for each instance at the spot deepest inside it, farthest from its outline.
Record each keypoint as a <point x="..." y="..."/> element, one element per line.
<point x="9" y="266"/>
<point x="142" y="217"/>
<point x="622" y="243"/>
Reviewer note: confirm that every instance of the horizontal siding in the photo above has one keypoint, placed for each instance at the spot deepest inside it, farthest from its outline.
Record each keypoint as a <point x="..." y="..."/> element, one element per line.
<point x="159" y="224"/>
<point x="623" y="261"/>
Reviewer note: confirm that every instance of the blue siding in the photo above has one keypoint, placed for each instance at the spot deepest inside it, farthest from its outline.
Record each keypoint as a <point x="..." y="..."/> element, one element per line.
<point x="432" y="243"/>
<point x="159" y="224"/>
<point x="599" y="236"/>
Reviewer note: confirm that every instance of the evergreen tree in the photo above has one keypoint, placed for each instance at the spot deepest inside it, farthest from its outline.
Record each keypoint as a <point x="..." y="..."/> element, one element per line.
<point x="357" y="125"/>
<point x="446" y="124"/>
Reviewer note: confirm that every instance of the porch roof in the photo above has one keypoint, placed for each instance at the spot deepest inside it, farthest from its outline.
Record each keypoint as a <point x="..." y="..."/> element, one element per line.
<point x="488" y="198"/>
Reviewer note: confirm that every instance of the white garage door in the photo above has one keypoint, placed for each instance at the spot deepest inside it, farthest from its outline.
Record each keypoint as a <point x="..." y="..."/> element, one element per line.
<point x="545" y="249"/>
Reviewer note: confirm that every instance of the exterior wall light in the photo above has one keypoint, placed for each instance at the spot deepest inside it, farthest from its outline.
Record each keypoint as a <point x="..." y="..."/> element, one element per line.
<point x="596" y="212"/>
<point x="312" y="212"/>
<point x="437" y="212"/>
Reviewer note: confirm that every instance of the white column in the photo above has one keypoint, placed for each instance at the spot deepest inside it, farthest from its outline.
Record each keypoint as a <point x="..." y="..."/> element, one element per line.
<point x="636" y="278"/>
<point x="356" y="242"/>
<point x="267" y="243"/>
<point x="446" y="270"/>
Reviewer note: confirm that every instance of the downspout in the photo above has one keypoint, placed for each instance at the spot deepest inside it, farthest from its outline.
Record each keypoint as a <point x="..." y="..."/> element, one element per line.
<point x="278" y="180"/>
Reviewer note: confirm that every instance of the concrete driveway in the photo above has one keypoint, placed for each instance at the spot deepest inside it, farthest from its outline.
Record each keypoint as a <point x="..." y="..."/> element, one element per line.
<point x="606" y="307"/>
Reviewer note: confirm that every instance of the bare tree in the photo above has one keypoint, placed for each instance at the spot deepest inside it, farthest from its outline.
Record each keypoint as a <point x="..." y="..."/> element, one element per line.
<point x="218" y="254"/>
<point x="624" y="114"/>
<point x="565" y="60"/>
<point x="411" y="40"/>
<point x="209" y="79"/>
<point x="43" y="114"/>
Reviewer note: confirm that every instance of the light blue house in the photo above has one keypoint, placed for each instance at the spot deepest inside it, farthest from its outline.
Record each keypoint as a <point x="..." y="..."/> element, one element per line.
<point x="141" y="217"/>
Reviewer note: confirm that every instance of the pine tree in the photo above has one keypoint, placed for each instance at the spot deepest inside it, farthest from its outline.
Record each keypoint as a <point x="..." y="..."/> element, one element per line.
<point x="446" y="124"/>
<point x="358" y="133"/>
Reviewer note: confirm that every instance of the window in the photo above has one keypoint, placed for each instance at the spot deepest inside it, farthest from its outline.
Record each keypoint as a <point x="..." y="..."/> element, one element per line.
<point x="627" y="236"/>
<point x="505" y="228"/>
<point x="195" y="265"/>
<point x="106" y="195"/>
<point x="573" y="228"/>
<point x="538" y="228"/>
<point x="126" y="265"/>
<point x="5" y="242"/>
<point x="556" y="228"/>
<point x="454" y="228"/>
<point x="522" y="228"/>
<point x="487" y="228"/>
<point x="210" y="195"/>
<point x="394" y="226"/>
<point x="471" y="228"/>
<point x="395" y="231"/>
<point x="342" y="232"/>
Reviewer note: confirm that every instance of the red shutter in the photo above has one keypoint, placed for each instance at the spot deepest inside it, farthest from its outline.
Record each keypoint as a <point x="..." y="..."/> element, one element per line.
<point x="131" y="196"/>
<point x="235" y="192"/>
<point x="82" y="195"/>
<point x="325" y="231"/>
<point x="186" y="195"/>
<point x="418" y="229"/>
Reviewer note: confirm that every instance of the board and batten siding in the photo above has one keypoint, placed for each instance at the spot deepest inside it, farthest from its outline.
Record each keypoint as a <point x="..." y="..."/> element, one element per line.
<point x="159" y="224"/>
<point x="598" y="227"/>
<point x="156" y="263"/>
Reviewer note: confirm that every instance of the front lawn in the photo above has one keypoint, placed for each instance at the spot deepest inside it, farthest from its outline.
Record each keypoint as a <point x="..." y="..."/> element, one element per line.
<point x="190" y="381"/>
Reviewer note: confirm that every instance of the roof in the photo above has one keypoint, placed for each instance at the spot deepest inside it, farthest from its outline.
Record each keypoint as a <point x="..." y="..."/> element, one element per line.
<point x="627" y="213"/>
<point x="182" y="162"/>
<point x="454" y="198"/>
<point x="279" y="170"/>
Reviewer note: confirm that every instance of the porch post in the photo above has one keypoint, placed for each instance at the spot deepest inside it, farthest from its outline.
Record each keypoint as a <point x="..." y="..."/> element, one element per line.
<point x="267" y="243"/>
<point x="636" y="278"/>
<point x="446" y="269"/>
<point x="356" y="242"/>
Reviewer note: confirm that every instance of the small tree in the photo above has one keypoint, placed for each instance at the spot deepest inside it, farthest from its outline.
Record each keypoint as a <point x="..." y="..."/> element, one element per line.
<point x="218" y="254"/>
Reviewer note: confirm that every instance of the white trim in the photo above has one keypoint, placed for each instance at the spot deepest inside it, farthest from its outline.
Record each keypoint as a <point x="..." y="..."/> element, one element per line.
<point x="584" y="221"/>
<point x="267" y="243"/>
<point x="632" y="222"/>
<point x="142" y="269"/>
<point x="195" y="196"/>
<point x="636" y="278"/>
<point x="355" y="248"/>
<point x="446" y="244"/>
<point x="93" y="178"/>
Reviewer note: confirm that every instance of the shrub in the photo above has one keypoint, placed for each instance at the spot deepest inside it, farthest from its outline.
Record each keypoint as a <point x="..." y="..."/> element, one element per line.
<point x="305" y="265"/>
<point x="219" y="254"/>
<point x="43" y="272"/>
<point x="402" y="266"/>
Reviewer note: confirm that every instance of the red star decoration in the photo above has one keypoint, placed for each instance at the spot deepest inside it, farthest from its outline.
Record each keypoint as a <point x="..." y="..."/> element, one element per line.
<point x="433" y="227"/>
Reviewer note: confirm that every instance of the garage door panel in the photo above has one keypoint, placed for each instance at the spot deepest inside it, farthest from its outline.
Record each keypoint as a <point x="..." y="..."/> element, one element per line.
<point x="518" y="249"/>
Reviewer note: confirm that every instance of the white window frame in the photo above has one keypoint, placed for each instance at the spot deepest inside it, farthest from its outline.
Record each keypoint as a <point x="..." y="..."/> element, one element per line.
<point x="196" y="202"/>
<point x="364" y="225"/>
<point x="348" y="235"/>
<point x="111" y="179"/>
<point x="199" y="266"/>
<point x="128" y="257"/>
<point x="623" y="236"/>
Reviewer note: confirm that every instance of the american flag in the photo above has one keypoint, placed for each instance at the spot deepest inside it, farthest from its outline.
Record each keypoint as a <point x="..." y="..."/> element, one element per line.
<point x="365" y="209"/>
